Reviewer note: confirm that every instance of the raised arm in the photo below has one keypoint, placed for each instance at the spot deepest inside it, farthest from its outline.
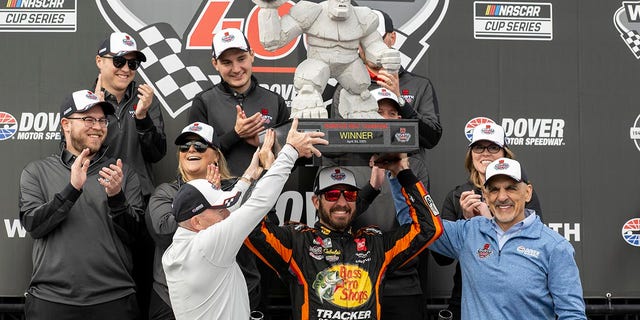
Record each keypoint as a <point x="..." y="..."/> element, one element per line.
<point x="276" y="31"/>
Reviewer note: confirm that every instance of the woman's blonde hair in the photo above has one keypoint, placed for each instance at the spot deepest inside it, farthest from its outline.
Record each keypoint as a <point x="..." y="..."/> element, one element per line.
<point x="475" y="176"/>
<point x="223" y="168"/>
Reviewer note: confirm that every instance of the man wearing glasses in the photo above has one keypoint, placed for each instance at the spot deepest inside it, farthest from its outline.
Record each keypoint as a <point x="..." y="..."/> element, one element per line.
<point x="136" y="133"/>
<point x="333" y="271"/>
<point x="82" y="208"/>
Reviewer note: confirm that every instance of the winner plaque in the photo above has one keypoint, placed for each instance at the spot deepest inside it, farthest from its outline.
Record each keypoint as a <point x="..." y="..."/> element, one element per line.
<point x="353" y="141"/>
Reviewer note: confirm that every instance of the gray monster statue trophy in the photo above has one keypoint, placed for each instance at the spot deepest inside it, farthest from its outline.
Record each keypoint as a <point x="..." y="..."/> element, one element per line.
<point x="335" y="30"/>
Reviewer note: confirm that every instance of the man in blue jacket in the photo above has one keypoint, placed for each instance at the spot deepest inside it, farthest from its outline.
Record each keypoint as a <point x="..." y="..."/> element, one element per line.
<point x="513" y="266"/>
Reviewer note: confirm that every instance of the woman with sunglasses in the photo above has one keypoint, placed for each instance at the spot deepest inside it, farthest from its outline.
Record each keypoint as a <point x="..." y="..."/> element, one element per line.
<point x="199" y="157"/>
<point x="465" y="201"/>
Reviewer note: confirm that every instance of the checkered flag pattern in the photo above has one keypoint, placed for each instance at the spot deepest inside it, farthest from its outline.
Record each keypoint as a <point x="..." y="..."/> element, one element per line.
<point x="632" y="39"/>
<point x="177" y="84"/>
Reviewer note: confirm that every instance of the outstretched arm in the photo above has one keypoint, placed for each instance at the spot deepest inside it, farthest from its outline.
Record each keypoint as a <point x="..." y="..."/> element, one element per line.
<point x="276" y="31"/>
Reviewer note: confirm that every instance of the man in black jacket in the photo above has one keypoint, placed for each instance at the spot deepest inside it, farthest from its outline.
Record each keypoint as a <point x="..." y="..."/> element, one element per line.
<point x="238" y="109"/>
<point x="415" y="99"/>
<point x="83" y="210"/>
<point x="136" y="134"/>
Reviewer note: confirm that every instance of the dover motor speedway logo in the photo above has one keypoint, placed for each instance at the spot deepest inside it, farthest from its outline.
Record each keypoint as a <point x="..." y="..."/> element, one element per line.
<point x="30" y="126"/>
<point x="525" y="131"/>
<point x="512" y="20"/>
<point x="38" y="16"/>
<point x="627" y="21"/>
<point x="631" y="232"/>
<point x="176" y="38"/>
<point x="634" y="132"/>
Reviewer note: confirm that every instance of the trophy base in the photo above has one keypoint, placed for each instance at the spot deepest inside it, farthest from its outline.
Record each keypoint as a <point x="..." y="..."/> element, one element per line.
<point x="353" y="141"/>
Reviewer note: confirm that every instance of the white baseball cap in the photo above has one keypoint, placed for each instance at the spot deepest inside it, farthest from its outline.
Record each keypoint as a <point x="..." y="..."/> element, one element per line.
<point x="330" y="176"/>
<point x="488" y="132"/>
<point x="81" y="102"/>
<point x="383" y="93"/>
<point x="119" y="44"/>
<point x="505" y="166"/>
<point x="228" y="39"/>
<point x="203" y="130"/>
<point x="199" y="195"/>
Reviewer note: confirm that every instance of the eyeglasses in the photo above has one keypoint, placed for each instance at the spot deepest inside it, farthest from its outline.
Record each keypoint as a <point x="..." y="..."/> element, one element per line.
<point x="119" y="62"/>
<point x="200" y="147"/>
<point x="334" y="195"/>
<point x="91" y="121"/>
<point x="492" y="148"/>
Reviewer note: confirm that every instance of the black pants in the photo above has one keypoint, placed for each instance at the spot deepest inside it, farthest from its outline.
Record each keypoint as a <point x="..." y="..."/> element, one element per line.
<point x="158" y="309"/>
<point x="402" y="307"/>
<point x="124" y="308"/>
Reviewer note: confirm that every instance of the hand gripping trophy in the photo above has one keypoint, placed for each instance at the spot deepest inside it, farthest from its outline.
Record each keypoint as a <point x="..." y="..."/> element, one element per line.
<point x="335" y="31"/>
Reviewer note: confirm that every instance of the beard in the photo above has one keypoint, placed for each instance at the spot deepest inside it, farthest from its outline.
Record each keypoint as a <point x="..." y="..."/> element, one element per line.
<point x="80" y="141"/>
<point x="339" y="224"/>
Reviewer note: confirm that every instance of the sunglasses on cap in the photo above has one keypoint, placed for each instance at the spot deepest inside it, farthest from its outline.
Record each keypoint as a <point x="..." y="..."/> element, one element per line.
<point x="199" y="146"/>
<point x="119" y="62"/>
<point x="334" y="195"/>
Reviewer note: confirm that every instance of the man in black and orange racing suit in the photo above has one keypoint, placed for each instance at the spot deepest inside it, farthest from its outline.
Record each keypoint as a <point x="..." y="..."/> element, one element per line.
<point x="332" y="271"/>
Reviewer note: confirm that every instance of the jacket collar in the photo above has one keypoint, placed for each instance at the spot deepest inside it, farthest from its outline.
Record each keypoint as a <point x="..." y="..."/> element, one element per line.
<point x="68" y="158"/>
<point x="332" y="233"/>
<point x="532" y="229"/>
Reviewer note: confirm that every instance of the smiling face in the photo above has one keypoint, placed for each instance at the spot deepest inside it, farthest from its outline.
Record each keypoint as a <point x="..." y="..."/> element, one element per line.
<point x="234" y="66"/>
<point x="482" y="160"/>
<point x="193" y="164"/>
<point x="78" y="136"/>
<point x="115" y="80"/>
<point x="506" y="199"/>
<point x="335" y="215"/>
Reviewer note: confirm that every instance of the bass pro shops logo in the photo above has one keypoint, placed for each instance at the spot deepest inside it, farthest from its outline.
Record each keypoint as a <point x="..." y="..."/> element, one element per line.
<point x="343" y="285"/>
<point x="627" y="21"/>
<point x="176" y="38"/>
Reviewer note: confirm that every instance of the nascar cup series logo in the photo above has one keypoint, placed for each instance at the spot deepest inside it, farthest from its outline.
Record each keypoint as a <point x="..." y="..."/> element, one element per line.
<point x="343" y="285"/>
<point x="176" y="37"/>
<point x="38" y="16"/>
<point x="627" y="20"/>
<point x="512" y="20"/>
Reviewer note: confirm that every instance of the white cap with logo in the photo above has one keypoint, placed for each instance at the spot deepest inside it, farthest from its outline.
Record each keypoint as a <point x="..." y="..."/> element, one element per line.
<point x="228" y="39"/>
<point x="507" y="167"/>
<point x="203" y="130"/>
<point x="330" y="176"/>
<point x="488" y="132"/>
<point x="199" y="195"/>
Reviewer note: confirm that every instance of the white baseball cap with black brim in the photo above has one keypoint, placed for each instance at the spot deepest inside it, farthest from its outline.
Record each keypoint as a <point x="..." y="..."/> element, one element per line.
<point x="198" y="195"/>
<point x="119" y="44"/>
<point x="203" y="130"/>
<point x="81" y="102"/>
<point x="331" y="176"/>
